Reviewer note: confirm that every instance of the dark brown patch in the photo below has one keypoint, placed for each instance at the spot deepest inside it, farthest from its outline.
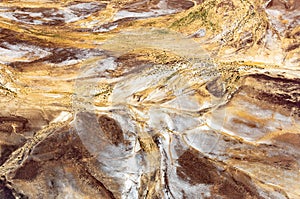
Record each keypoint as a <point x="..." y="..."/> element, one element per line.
<point x="124" y="22"/>
<point x="227" y="4"/>
<point x="57" y="56"/>
<point x="278" y="81"/>
<point x="8" y="123"/>
<point x="284" y="162"/>
<point x="5" y="192"/>
<point x="64" y="54"/>
<point x="196" y="170"/>
<point x="52" y="15"/>
<point x="281" y="161"/>
<point x="277" y="93"/>
<point x="296" y="34"/>
<point x="279" y="99"/>
<point x="234" y="184"/>
<point x="28" y="171"/>
<point x="247" y="123"/>
<point x="282" y="103"/>
<point x="111" y="129"/>
<point x="89" y="179"/>
<point x="65" y="145"/>
<point x="215" y="87"/>
<point x="180" y="4"/>
<point x="292" y="47"/>
<point x="199" y="1"/>
<point x="6" y="127"/>
<point x="233" y="189"/>
<point x="13" y="118"/>
<point x="15" y="38"/>
<point x="6" y="150"/>
<point x="63" y="152"/>
<point x="61" y="54"/>
<point x="130" y="60"/>
<point x="78" y="173"/>
<point x="289" y="5"/>
<point x="289" y="138"/>
<point x="229" y="183"/>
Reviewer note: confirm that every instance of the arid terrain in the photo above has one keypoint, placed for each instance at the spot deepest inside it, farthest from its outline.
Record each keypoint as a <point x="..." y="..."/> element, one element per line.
<point x="154" y="99"/>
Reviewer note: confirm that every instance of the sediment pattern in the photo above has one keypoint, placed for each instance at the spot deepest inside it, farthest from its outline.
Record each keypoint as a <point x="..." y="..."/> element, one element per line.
<point x="150" y="99"/>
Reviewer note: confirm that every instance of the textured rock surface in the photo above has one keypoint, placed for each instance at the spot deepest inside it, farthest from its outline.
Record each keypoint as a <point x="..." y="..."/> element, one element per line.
<point x="150" y="99"/>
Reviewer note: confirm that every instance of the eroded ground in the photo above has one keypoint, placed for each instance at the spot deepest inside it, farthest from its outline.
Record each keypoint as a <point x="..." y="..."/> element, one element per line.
<point x="150" y="99"/>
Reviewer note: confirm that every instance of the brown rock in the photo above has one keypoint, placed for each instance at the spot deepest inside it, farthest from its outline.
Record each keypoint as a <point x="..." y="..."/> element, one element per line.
<point x="195" y="169"/>
<point x="111" y="129"/>
<point x="28" y="171"/>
